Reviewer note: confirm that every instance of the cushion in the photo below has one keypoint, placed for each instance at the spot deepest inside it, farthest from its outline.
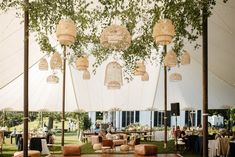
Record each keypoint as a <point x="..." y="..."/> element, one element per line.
<point x="97" y="146"/>
<point x="116" y="137"/>
<point x="119" y="142"/>
<point x="69" y="150"/>
<point x="124" y="147"/>
<point x="146" y="149"/>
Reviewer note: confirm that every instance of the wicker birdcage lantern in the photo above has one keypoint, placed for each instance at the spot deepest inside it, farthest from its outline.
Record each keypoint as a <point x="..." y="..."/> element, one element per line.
<point x="170" y="59"/>
<point x="43" y="64"/>
<point x="145" y="77"/>
<point x="140" y="69"/>
<point x="56" y="61"/>
<point x="82" y="63"/>
<point x="163" y="31"/>
<point x="174" y="77"/>
<point x="113" y="75"/>
<point x="86" y="75"/>
<point x="53" y="79"/>
<point x="115" y="37"/>
<point x="185" y="58"/>
<point x="66" y="32"/>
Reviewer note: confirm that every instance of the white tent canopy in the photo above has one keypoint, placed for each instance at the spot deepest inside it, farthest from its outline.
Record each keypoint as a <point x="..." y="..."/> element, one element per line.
<point x="92" y="95"/>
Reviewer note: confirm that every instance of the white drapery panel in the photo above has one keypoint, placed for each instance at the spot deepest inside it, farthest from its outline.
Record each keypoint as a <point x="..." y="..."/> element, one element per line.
<point x="188" y="92"/>
<point x="92" y="95"/>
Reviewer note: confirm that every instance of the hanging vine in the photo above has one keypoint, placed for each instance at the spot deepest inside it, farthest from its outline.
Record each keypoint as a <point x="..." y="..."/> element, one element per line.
<point x="139" y="16"/>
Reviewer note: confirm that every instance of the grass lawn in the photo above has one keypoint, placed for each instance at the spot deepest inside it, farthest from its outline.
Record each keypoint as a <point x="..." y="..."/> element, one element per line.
<point x="71" y="138"/>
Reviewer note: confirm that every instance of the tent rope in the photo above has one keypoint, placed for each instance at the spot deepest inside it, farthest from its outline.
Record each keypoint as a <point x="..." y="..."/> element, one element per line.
<point x="74" y="91"/>
<point x="21" y="73"/>
<point x="156" y="89"/>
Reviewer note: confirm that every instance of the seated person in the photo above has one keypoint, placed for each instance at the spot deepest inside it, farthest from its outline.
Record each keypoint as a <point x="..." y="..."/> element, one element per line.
<point x="183" y="132"/>
<point x="184" y="137"/>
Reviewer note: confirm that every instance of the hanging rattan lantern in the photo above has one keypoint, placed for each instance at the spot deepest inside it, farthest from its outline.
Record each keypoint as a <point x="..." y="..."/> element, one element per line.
<point x="163" y="31"/>
<point x="145" y="77"/>
<point x="43" y="64"/>
<point x="175" y="77"/>
<point x="66" y="32"/>
<point x="140" y="69"/>
<point x="82" y="63"/>
<point x="170" y="59"/>
<point x="113" y="85"/>
<point x="185" y="58"/>
<point x="86" y="75"/>
<point x="53" y="79"/>
<point x="113" y="76"/>
<point x="56" y="61"/>
<point x="115" y="37"/>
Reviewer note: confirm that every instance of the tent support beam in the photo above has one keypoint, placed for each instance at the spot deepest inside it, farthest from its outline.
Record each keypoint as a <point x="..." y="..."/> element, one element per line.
<point x="165" y="101"/>
<point x="205" y="78"/>
<point x="26" y="76"/>
<point x="63" y="96"/>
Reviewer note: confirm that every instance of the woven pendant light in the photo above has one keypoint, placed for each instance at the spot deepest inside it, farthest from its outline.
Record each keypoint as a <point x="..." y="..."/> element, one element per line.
<point x="66" y="32"/>
<point x="145" y="77"/>
<point x="163" y="31"/>
<point x="43" y="64"/>
<point x="56" y="61"/>
<point x="140" y="69"/>
<point x="52" y="79"/>
<point x="185" y="58"/>
<point x="115" y="37"/>
<point x="86" y="75"/>
<point x="170" y="59"/>
<point x="113" y="75"/>
<point x="82" y="63"/>
<point x="113" y="85"/>
<point x="174" y="77"/>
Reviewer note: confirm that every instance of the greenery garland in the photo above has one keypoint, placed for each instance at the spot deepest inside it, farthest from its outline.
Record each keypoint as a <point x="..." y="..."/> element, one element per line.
<point x="139" y="16"/>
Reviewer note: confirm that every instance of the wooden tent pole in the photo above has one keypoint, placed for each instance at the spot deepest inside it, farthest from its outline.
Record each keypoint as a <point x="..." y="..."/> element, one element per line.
<point x="205" y="79"/>
<point x="26" y="65"/>
<point x="63" y="96"/>
<point x="165" y="100"/>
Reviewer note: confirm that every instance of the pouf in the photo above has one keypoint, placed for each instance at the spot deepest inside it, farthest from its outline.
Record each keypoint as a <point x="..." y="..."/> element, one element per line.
<point x="97" y="146"/>
<point x="71" y="149"/>
<point x="124" y="147"/>
<point x="146" y="149"/>
<point x="31" y="153"/>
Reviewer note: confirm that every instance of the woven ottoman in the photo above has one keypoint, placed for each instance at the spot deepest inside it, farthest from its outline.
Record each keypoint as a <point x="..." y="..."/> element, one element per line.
<point x="71" y="149"/>
<point x="146" y="149"/>
<point x="124" y="147"/>
<point x="97" y="146"/>
<point x="31" y="153"/>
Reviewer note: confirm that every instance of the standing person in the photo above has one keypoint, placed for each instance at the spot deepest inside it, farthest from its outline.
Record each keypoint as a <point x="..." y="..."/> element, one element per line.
<point x="109" y="129"/>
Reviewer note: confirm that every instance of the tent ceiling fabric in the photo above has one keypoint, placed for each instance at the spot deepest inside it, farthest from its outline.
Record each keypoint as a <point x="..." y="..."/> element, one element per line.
<point x="92" y="95"/>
